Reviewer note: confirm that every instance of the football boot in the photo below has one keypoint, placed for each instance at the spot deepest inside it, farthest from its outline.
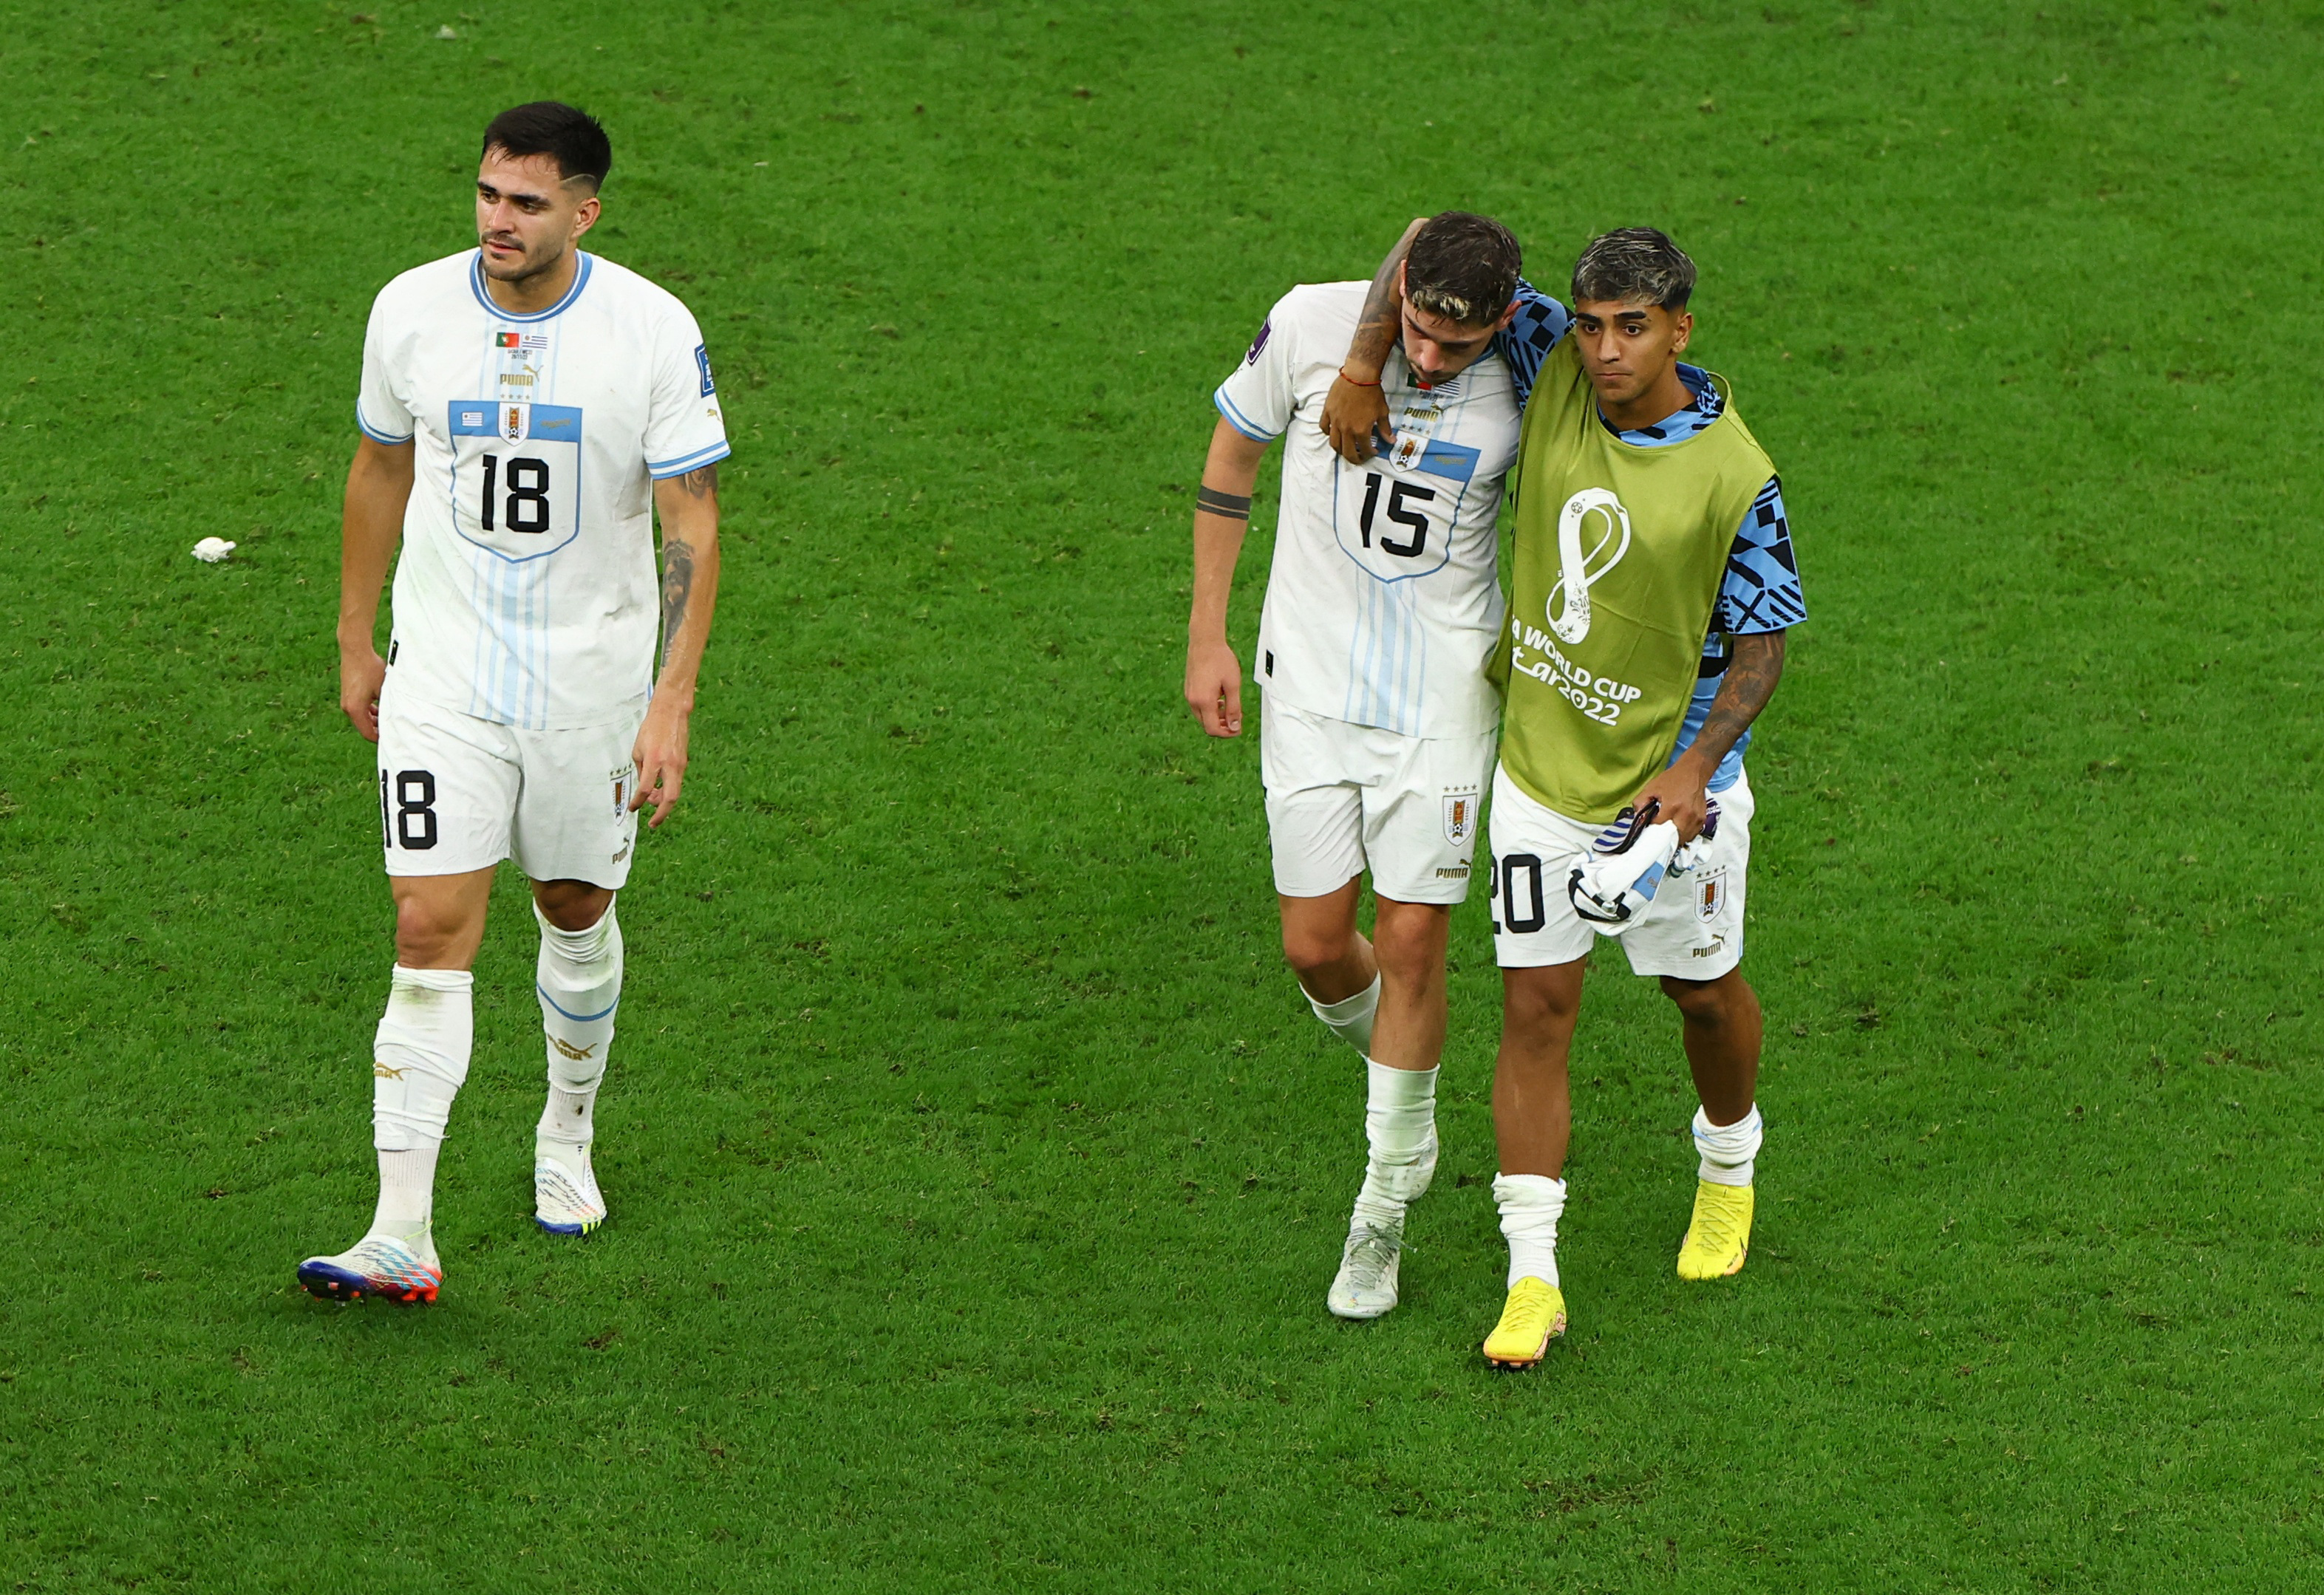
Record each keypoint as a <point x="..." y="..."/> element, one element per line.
<point x="565" y="1199"/>
<point x="1720" y="1234"/>
<point x="1534" y="1316"/>
<point x="377" y="1264"/>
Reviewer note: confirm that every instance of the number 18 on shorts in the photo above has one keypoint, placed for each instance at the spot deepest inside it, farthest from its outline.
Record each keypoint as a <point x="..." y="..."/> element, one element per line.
<point x="458" y="794"/>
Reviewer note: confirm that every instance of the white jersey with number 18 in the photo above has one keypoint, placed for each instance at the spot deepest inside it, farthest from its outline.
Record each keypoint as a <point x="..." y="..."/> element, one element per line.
<point x="525" y="594"/>
<point x="1382" y="605"/>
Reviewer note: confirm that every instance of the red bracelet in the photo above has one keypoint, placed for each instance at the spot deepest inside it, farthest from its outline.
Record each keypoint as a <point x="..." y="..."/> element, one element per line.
<point x="1355" y="381"/>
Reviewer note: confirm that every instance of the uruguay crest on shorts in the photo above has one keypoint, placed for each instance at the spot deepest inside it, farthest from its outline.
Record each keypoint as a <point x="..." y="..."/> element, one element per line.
<point x="1460" y="818"/>
<point x="1711" y="895"/>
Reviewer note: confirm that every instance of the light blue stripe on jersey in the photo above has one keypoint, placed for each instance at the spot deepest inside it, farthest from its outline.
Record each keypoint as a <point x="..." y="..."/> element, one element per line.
<point x="375" y="435"/>
<point x="511" y="662"/>
<point x="1240" y="422"/>
<point x="1388" y="659"/>
<point x="691" y="462"/>
<point x="484" y="298"/>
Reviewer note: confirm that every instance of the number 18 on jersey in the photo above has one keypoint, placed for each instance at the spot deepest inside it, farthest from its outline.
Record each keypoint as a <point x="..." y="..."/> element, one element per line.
<point x="516" y="475"/>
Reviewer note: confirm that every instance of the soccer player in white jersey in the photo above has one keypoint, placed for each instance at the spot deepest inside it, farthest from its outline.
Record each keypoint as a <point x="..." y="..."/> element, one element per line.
<point x="526" y="407"/>
<point x="1376" y="724"/>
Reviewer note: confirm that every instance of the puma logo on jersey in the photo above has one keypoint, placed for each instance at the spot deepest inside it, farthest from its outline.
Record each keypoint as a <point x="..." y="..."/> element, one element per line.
<point x="577" y="1054"/>
<point x="385" y="1073"/>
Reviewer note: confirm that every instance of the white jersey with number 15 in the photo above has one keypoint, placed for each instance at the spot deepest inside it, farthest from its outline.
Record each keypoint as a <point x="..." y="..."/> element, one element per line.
<point x="525" y="593"/>
<point x="1382" y="605"/>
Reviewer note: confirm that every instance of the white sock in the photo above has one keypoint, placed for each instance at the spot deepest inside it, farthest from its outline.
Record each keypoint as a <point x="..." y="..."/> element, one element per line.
<point x="407" y="1197"/>
<point x="1400" y="1124"/>
<point x="1531" y="1204"/>
<point x="1351" y="1018"/>
<point x="419" y="1061"/>
<point x="579" y="980"/>
<point x="1728" y="1150"/>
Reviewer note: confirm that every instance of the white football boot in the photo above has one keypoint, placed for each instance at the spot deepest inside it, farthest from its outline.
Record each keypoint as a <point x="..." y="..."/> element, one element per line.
<point x="377" y="1264"/>
<point x="1365" y="1284"/>
<point x="565" y="1199"/>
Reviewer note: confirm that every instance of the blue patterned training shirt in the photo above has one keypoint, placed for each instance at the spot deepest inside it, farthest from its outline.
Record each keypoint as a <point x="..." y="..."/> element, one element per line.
<point x="1761" y="589"/>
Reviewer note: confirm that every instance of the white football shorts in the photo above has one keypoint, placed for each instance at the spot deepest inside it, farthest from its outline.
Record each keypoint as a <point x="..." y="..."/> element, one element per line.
<point x="1342" y="799"/>
<point x="457" y="793"/>
<point x="1693" y="929"/>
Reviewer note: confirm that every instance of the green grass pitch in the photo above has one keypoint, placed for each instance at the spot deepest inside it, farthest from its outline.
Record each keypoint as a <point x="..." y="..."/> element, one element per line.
<point x="977" y="1171"/>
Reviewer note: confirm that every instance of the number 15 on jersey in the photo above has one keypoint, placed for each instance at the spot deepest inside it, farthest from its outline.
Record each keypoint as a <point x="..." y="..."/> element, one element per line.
<point x="516" y="475"/>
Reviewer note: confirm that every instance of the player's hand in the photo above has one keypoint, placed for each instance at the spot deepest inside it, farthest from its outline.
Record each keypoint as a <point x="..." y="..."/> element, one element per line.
<point x="1351" y="414"/>
<point x="1681" y="794"/>
<point x="661" y="757"/>
<point x="362" y="674"/>
<point x="1214" y="687"/>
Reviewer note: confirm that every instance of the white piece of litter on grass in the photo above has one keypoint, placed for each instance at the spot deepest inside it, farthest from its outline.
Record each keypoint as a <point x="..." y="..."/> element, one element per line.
<point x="213" y="550"/>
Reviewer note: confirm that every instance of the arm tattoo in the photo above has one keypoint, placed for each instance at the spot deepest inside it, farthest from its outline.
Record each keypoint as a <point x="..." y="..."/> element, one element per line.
<point x="1749" y="682"/>
<point x="701" y="482"/>
<point x="676" y="586"/>
<point x="1231" y="506"/>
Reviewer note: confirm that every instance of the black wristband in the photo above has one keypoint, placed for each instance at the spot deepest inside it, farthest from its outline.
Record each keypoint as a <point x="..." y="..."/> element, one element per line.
<point x="1212" y="502"/>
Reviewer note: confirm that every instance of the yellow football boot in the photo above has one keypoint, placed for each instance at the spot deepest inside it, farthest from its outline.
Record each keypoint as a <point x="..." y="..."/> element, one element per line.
<point x="1535" y="1316"/>
<point x="1720" y="1234"/>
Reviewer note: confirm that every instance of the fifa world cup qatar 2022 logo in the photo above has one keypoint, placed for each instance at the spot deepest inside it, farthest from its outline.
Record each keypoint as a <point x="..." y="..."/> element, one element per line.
<point x="1592" y="521"/>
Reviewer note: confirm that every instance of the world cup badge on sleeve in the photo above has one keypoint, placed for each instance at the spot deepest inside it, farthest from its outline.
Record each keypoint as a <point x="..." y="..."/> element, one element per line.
<point x="1711" y="895"/>
<point x="1460" y="818"/>
<point x="1258" y="343"/>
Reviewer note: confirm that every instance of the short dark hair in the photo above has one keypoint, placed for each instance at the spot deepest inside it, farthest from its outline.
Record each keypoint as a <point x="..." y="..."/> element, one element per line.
<point x="566" y="134"/>
<point x="1634" y="266"/>
<point x="1462" y="266"/>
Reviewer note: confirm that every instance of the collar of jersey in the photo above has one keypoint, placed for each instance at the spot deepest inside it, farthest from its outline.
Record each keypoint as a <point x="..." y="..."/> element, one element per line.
<point x="477" y="286"/>
<point x="1705" y="400"/>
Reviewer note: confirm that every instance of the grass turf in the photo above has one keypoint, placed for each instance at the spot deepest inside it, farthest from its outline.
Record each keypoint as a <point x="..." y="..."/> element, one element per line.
<point x="977" y="1172"/>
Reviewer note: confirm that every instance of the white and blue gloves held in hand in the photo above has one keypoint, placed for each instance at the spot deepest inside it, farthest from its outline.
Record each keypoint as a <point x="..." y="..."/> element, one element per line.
<point x="1628" y="863"/>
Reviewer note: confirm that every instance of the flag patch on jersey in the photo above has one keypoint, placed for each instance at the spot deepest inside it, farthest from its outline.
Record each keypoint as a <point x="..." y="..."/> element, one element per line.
<point x="507" y="340"/>
<point x="702" y="358"/>
<point x="1455" y="462"/>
